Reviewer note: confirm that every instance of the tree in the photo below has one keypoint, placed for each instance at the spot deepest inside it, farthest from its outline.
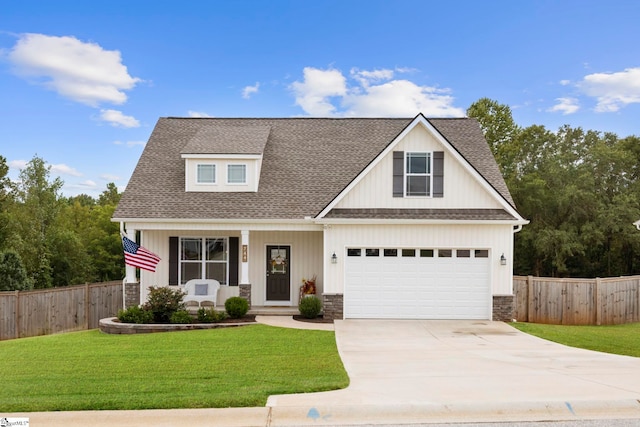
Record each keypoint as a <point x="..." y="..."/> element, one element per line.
<point x="13" y="276"/>
<point x="38" y="203"/>
<point x="499" y="129"/>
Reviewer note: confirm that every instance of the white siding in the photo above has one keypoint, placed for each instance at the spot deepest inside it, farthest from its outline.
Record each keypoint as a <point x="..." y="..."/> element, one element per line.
<point x="306" y="259"/>
<point x="253" y="175"/>
<point x="461" y="189"/>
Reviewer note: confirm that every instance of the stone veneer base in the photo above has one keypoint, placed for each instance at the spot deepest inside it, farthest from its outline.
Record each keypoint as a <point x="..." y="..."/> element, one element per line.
<point x="111" y="325"/>
<point x="503" y="308"/>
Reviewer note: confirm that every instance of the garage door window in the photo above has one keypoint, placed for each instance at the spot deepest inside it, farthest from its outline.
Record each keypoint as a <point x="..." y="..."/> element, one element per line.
<point x="391" y="252"/>
<point x="463" y="253"/>
<point x="426" y="253"/>
<point x="354" y="252"/>
<point x="444" y="253"/>
<point x="481" y="253"/>
<point x="408" y="252"/>
<point x="372" y="252"/>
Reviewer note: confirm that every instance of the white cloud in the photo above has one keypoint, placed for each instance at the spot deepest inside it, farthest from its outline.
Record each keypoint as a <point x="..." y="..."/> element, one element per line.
<point x="250" y="90"/>
<point x="131" y="143"/>
<point x="82" y="72"/>
<point x="318" y="86"/>
<point x="374" y="93"/>
<point x="62" y="169"/>
<point x="117" y="119"/>
<point x="17" y="164"/>
<point x="565" y="106"/>
<point x="198" y="114"/>
<point x="109" y="177"/>
<point x="613" y="90"/>
<point x="565" y="82"/>
<point x="365" y="78"/>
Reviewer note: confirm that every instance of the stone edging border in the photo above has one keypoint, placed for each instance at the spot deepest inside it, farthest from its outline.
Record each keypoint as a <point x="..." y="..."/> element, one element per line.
<point x="110" y="325"/>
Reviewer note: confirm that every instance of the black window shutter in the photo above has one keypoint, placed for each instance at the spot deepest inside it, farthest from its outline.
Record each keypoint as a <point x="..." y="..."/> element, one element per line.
<point x="174" y="252"/>
<point x="398" y="173"/>
<point x="438" y="173"/>
<point x="233" y="261"/>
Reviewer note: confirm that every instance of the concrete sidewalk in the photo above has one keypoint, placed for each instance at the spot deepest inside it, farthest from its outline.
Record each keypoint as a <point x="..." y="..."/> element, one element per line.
<point x="407" y="372"/>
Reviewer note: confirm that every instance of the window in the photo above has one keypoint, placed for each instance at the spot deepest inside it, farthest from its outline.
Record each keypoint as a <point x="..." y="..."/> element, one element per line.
<point x="236" y="174"/>
<point x="390" y="252"/>
<point x="354" y="252"/>
<point x="463" y="253"/>
<point x="206" y="174"/>
<point x="203" y="258"/>
<point x="409" y="252"/>
<point x="372" y="252"/>
<point x="481" y="253"/>
<point x="418" y="174"/>
<point x="444" y="253"/>
<point x="426" y="253"/>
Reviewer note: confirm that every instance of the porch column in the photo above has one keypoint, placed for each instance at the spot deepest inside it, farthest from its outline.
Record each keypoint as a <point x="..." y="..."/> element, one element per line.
<point x="130" y="270"/>
<point x="244" y="263"/>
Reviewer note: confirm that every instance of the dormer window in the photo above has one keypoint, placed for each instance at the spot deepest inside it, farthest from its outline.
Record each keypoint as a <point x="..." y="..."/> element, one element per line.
<point x="206" y="174"/>
<point x="236" y="174"/>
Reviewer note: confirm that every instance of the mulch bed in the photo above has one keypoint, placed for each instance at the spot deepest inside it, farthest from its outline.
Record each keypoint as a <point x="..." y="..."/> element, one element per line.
<point x="318" y="319"/>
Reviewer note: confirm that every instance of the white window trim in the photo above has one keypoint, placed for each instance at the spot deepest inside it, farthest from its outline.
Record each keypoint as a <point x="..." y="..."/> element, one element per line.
<point x="245" y="174"/>
<point x="203" y="261"/>
<point x="215" y="174"/>
<point x="407" y="174"/>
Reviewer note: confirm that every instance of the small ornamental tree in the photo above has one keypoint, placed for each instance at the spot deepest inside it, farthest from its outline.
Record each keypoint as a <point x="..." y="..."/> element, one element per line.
<point x="163" y="302"/>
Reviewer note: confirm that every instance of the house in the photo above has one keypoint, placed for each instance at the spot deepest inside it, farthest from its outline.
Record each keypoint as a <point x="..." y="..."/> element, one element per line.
<point x="397" y="218"/>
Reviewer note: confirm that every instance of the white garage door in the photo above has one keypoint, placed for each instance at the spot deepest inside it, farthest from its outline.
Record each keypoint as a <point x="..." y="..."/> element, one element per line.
<point x="414" y="283"/>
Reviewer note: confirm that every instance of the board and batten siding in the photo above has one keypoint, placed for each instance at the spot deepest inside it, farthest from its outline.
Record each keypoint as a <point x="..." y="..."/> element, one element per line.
<point x="498" y="239"/>
<point x="306" y="256"/>
<point x="375" y="189"/>
<point x="306" y="260"/>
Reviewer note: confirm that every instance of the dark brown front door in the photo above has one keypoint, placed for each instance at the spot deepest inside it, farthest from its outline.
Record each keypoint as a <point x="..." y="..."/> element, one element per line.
<point x="278" y="273"/>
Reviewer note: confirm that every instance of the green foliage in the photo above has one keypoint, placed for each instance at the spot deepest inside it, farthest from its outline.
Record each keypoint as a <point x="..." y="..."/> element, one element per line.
<point x="310" y="306"/>
<point x="182" y="317"/>
<point x="61" y="241"/>
<point x="236" y="307"/>
<point x="135" y="314"/>
<point x="209" y="315"/>
<point x="163" y="302"/>
<point x="13" y="276"/>
<point x="579" y="189"/>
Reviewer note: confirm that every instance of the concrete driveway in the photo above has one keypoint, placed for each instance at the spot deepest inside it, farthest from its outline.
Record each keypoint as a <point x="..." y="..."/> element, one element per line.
<point x="413" y="371"/>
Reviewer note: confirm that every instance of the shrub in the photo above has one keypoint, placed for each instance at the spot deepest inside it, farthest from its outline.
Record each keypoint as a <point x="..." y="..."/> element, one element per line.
<point x="181" y="316"/>
<point x="209" y="315"/>
<point x="236" y="307"/>
<point x="163" y="302"/>
<point x="135" y="315"/>
<point x="310" y="306"/>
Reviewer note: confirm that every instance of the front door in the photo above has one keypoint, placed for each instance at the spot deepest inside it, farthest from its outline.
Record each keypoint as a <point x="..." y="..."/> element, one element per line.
<point x="278" y="273"/>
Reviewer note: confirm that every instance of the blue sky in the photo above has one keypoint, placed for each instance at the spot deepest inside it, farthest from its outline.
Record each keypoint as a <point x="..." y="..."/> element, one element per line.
<point x="82" y="83"/>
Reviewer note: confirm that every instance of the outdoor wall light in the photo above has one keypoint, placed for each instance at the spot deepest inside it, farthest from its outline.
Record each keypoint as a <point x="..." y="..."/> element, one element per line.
<point x="334" y="258"/>
<point x="503" y="260"/>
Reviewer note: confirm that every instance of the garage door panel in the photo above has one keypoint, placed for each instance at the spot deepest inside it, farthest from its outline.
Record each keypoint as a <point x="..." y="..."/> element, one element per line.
<point x="417" y="287"/>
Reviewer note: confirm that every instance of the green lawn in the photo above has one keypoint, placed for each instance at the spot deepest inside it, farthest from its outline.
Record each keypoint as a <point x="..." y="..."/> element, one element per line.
<point x="228" y="367"/>
<point x="617" y="339"/>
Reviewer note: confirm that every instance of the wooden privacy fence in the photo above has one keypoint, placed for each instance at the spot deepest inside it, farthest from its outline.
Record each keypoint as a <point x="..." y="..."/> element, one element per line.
<point x="48" y="311"/>
<point x="608" y="301"/>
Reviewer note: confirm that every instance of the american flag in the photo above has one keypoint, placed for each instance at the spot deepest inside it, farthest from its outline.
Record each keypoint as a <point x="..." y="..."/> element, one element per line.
<point x="138" y="256"/>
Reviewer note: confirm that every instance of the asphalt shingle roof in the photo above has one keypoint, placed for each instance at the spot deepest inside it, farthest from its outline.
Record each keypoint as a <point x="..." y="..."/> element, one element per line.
<point x="306" y="163"/>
